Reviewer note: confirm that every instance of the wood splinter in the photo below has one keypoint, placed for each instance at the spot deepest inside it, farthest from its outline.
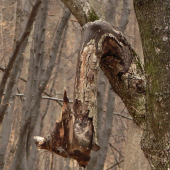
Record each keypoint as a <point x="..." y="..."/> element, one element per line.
<point x="72" y="135"/>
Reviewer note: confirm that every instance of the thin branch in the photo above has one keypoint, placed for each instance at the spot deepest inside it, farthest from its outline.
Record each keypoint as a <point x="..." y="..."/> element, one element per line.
<point x="115" y="149"/>
<point x="115" y="164"/>
<point x="45" y="97"/>
<point x="3" y="69"/>
<point x="118" y="114"/>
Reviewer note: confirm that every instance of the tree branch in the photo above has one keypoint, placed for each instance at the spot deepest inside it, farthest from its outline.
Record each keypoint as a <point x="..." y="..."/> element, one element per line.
<point x="115" y="164"/>
<point x="122" y="116"/>
<point x="45" y="97"/>
<point x="120" y="64"/>
<point x="81" y="10"/>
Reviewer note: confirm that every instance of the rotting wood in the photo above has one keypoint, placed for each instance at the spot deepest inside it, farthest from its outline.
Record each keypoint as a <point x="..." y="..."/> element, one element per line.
<point x="75" y="133"/>
<point x="71" y="137"/>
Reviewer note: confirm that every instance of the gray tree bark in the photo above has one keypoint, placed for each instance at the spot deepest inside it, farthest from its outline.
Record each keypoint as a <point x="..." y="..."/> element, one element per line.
<point x="18" y="46"/>
<point x="125" y="15"/>
<point x="153" y="19"/>
<point x="106" y="130"/>
<point x="9" y="98"/>
<point x="29" y="109"/>
<point x="13" y="57"/>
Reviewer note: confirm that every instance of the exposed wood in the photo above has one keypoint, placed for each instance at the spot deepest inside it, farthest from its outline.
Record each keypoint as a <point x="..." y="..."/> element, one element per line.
<point x="75" y="133"/>
<point x="71" y="137"/>
<point x="120" y="64"/>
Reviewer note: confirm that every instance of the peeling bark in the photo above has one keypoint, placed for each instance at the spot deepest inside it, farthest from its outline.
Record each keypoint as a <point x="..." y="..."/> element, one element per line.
<point x="120" y="64"/>
<point x="71" y="137"/>
<point x="75" y="133"/>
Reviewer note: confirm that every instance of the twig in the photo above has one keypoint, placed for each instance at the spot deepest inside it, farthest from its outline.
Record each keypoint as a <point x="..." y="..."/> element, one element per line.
<point x="115" y="149"/>
<point x="45" y="97"/>
<point x="118" y="114"/>
<point x="3" y="69"/>
<point x="115" y="164"/>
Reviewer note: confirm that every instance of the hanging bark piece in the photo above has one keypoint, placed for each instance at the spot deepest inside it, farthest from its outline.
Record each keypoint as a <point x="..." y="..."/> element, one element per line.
<point x="75" y="133"/>
<point x="71" y="137"/>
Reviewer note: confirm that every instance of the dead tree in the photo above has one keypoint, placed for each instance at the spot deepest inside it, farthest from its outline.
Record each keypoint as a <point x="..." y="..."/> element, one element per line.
<point x="74" y="134"/>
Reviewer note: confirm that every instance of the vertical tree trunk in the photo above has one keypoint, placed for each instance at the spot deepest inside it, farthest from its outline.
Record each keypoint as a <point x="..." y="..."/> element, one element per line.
<point x="125" y="15"/>
<point x="13" y="81"/>
<point x="27" y="111"/>
<point x="106" y="130"/>
<point x="17" y="48"/>
<point x="153" y="18"/>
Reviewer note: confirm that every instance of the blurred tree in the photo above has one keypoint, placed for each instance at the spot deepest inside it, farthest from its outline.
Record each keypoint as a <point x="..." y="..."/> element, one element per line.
<point x="144" y="93"/>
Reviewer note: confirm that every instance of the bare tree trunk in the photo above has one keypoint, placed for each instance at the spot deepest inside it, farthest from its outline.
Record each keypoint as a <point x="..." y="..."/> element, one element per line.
<point x="110" y="15"/>
<point x="155" y="41"/>
<point x="19" y="45"/>
<point x="102" y="85"/>
<point x="125" y="15"/>
<point x="8" y="102"/>
<point x="29" y="109"/>
<point x="6" y="125"/>
<point x="106" y="130"/>
<point x="37" y="55"/>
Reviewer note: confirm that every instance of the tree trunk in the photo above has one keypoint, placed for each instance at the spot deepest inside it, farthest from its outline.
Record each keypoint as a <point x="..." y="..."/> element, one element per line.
<point x="27" y="111"/>
<point x="106" y="130"/>
<point x="153" y="18"/>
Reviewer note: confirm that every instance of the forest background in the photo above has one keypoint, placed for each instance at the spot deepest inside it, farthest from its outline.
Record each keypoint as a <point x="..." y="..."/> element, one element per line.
<point x="119" y="136"/>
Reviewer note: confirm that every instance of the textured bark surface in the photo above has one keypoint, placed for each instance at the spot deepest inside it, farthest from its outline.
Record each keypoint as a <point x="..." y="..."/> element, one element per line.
<point x="75" y="134"/>
<point x="153" y="18"/>
<point x="71" y="137"/>
<point x="120" y="64"/>
<point x="82" y="10"/>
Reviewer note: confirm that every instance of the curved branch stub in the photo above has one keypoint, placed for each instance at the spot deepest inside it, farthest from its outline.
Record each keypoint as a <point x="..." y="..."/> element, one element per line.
<point x="120" y="64"/>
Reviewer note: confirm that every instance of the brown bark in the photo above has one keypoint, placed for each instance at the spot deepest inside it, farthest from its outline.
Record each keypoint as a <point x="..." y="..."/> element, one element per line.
<point x="73" y="135"/>
<point x="120" y="64"/>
